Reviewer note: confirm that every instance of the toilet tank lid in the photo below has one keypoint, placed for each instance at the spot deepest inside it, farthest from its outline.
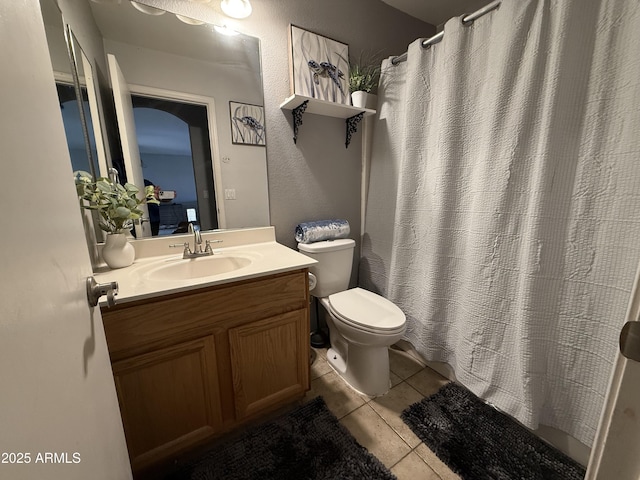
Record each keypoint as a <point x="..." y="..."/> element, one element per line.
<point x="327" y="245"/>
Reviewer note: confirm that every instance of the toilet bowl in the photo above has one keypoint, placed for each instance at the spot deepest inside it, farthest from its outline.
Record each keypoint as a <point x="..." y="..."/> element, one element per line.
<point x="359" y="343"/>
<point x="362" y="325"/>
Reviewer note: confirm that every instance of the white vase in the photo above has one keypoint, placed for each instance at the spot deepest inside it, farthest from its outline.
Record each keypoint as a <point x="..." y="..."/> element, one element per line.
<point x="117" y="252"/>
<point x="364" y="100"/>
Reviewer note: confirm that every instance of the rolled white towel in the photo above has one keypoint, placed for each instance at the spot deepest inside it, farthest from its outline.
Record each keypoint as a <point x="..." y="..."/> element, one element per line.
<point x="318" y="231"/>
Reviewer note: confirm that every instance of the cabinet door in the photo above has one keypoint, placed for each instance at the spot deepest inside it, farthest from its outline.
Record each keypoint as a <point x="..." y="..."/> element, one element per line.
<point x="269" y="361"/>
<point x="169" y="399"/>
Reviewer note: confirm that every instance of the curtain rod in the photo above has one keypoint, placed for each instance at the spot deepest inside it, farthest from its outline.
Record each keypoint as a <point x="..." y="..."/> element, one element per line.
<point x="438" y="36"/>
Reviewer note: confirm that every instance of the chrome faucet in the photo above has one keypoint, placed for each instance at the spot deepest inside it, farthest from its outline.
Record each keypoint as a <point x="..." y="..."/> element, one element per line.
<point x="197" y="238"/>
<point x="197" y="245"/>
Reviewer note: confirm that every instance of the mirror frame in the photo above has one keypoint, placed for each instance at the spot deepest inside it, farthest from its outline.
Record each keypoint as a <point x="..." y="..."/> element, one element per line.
<point x="72" y="47"/>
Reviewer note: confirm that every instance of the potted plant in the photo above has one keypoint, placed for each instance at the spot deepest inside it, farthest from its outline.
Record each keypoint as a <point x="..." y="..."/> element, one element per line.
<point x="117" y="207"/>
<point x="364" y="75"/>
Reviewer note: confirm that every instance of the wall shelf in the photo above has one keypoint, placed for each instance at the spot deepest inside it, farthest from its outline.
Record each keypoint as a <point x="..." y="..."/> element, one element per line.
<point x="299" y="104"/>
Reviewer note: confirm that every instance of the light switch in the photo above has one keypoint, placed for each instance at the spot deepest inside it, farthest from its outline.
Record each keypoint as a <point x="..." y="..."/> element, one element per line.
<point x="229" y="193"/>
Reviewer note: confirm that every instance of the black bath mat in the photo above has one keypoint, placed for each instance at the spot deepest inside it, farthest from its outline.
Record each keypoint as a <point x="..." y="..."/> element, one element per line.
<point x="307" y="443"/>
<point x="480" y="443"/>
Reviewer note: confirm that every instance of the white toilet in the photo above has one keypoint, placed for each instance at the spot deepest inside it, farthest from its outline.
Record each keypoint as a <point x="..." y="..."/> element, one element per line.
<point x="362" y="324"/>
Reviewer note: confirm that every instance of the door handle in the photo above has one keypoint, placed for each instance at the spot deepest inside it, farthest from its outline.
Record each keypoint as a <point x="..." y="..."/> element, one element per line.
<point x="96" y="290"/>
<point x="630" y="341"/>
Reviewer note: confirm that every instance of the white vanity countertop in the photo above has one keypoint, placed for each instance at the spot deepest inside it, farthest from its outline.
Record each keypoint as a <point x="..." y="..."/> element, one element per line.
<point x="142" y="280"/>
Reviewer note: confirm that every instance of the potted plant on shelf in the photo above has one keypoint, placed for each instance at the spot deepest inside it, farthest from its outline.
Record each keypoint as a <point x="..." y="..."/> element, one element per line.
<point x="117" y="207"/>
<point x="364" y="75"/>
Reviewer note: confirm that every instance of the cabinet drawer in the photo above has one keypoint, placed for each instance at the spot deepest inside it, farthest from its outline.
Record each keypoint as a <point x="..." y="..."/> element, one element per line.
<point x="142" y="326"/>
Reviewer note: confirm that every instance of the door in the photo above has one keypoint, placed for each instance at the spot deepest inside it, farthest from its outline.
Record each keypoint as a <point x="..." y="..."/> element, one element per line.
<point x="59" y="416"/>
<point x="187" y="123"/>
<point x="269" y="361"/>
<point x="616" y="448"/>
<point x="128" y="138"/>
<point x="170" y="399"/>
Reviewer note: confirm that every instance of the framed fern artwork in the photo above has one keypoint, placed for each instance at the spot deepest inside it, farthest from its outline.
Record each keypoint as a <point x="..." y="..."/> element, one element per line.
<point x="247" y="124"/>
<point x="319" y="66"/>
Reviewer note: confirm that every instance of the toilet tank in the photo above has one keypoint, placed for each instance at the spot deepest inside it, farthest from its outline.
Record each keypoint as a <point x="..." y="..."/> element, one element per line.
<point x="333" y="270"/>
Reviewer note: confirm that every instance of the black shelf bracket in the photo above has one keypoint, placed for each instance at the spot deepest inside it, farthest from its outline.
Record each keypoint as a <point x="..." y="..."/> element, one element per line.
<point x="297" y="118"/>
<point x="352" y="127"/>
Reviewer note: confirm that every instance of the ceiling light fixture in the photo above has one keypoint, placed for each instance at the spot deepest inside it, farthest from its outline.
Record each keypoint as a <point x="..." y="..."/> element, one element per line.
<point x="147" y="9"/>
<point x="224" y="30"/>
<point x="236" y="8"/>
<point x="189" y="20"/>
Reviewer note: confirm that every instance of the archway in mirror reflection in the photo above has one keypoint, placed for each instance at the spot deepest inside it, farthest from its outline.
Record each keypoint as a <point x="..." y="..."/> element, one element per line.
<point x="174" y="143"/>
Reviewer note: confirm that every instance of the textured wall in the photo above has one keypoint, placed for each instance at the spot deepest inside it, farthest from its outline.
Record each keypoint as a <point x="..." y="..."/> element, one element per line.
<point x="318" y="178"/>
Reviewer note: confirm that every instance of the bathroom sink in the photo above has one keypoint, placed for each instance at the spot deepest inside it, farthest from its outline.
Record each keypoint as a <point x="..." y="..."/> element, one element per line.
<point x="188" y="269"/>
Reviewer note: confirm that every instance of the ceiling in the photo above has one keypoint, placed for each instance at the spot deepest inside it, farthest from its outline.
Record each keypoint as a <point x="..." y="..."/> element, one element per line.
<point x="436" y="12"/>
<point x="121" y="22"/>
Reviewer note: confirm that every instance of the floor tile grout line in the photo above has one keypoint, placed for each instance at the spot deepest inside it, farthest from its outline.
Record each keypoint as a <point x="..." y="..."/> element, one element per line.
<point x="396" y="433"/>
<point x="412" y="449"/>
<point x="367" y="401"/>
<point x="427" y="463"/>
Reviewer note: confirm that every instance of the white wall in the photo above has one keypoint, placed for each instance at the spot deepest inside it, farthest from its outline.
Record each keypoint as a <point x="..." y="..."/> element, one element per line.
<point x="57" y="391"/>
<point x="245" y="168"/>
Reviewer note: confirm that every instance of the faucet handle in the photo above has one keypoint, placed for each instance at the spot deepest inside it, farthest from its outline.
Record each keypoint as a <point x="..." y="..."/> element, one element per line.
<point x="185" y="245"/>
<point x="207" y="246"/>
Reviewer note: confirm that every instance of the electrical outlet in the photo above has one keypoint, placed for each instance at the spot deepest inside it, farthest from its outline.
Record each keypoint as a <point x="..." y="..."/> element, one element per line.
<point x="229" y="193"/>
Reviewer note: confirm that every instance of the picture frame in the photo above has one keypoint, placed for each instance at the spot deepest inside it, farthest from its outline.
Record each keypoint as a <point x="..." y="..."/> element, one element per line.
<point x="247" y="124"/>
<point x="319" y="66"/>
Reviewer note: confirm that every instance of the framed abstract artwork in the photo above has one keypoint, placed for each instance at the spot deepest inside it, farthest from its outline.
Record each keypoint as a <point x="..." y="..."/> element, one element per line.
<point x="247" y="124"/>
<point x="319" y="66"/>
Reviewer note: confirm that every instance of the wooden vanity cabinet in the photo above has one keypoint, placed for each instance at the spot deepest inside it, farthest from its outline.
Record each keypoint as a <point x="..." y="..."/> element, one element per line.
<point x="193" y="365"/>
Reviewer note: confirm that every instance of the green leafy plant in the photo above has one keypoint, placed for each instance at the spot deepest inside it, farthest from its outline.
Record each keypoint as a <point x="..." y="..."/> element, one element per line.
<point x="117" y="205"/>
<point x="364" y="73"/>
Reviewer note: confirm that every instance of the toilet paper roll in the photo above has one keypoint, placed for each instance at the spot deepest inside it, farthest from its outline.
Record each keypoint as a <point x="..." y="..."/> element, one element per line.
<point x="312" y="281"/>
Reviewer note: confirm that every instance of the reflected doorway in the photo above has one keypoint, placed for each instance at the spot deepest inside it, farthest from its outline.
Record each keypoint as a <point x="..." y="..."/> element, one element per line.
<point x="174" y="143"/>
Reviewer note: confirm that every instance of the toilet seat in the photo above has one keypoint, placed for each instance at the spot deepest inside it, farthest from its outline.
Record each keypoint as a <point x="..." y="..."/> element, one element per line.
<point x="367" y="311"/>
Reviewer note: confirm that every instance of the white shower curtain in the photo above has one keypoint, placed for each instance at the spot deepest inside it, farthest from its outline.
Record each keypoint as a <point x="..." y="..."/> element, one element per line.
<point x="503" y="213"/>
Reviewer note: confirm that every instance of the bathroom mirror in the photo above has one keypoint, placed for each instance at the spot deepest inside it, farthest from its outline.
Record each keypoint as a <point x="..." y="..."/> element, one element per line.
<point x="74" y="80"/>
<point x="182" y="78"/>
<point x="165" y="58"/>
<point x="74" y="84"/>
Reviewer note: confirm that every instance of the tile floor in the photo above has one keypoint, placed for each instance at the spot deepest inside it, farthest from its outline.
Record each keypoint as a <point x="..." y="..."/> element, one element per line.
<point x="376" y="422"/>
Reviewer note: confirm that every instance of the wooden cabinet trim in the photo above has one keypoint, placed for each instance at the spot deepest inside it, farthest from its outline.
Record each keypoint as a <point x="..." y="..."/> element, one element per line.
<point x="146" y="327"/>
<point x="161" y="337"/>
<point x="213" y="288"/>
